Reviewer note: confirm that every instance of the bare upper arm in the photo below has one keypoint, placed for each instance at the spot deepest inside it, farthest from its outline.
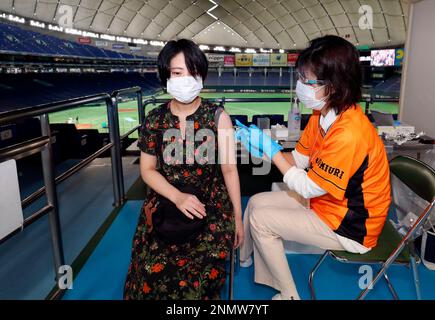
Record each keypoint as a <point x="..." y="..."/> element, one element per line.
<point x="147" y="161"/>
<point x="226" y="142"/>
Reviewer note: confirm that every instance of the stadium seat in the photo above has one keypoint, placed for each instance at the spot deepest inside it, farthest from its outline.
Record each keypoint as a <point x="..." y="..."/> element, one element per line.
<point x="47" y="88"/>
<point x="15" y="39"/>
<point x="8" y="135"/>
<point x="72" y="143"/>
<point x="27" y="129"/>
<point x="93" y="138"/>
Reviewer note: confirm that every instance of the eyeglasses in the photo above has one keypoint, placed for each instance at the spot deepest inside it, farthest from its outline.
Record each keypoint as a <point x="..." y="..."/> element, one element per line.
<point x="304" y="80"/>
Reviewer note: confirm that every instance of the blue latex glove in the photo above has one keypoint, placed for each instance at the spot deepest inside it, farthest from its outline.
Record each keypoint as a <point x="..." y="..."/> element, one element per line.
<point x="255" y="141"/>
<point x="242" y="134"/>
<point x="263" y="142"/>
<point x="241" y="125"/>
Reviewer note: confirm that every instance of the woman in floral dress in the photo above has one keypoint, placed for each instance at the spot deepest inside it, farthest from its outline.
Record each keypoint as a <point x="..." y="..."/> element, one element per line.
<point x="194" y="269"/>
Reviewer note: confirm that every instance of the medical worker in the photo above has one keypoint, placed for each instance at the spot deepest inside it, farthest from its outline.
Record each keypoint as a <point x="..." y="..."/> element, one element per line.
<point x="338" y="174"/>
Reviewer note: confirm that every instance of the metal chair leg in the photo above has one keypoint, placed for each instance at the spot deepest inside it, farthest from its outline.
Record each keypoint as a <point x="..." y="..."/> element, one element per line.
<point x="416" y="277"/>
<point x="312" y="273"/>
<point x="372" y="284"/>
<point x="231" y="284"/>
<point x="390" y="286"/>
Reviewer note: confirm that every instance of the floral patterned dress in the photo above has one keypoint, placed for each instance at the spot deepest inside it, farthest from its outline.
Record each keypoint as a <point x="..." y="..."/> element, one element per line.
<point x="195" y="269"/>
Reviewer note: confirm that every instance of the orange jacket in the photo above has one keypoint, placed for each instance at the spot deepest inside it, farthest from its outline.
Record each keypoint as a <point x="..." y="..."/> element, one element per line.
<point x="349" y="162"/>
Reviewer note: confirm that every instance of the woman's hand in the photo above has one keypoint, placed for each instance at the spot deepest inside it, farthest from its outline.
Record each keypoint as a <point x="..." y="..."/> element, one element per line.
<point x="240" y="232"/>
<point x="190" y="205"/>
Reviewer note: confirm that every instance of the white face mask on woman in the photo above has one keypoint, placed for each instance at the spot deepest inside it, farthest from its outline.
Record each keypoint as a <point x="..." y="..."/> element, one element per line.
<point x="184" y="89"/>
<point x="307" y="95"/>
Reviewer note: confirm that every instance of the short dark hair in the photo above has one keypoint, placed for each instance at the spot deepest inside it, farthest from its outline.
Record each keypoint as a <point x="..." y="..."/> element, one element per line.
<point x="335" y="60"/>
<point x="196" y="61"/>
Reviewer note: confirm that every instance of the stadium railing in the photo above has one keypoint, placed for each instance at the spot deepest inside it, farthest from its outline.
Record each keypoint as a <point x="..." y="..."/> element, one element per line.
<point x="370" y="100"/>
<point x="366" y="102"/>
<point x="118" y="138"/>
<point x="43" y="144"/>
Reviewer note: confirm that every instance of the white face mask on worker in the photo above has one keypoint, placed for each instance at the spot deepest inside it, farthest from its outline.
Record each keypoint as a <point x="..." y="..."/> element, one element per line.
<point x="307" y="95"/>
<point x="184" y="89"/>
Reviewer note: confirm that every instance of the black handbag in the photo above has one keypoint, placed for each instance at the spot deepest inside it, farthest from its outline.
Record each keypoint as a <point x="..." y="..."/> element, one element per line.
<point x="171" y="225"/>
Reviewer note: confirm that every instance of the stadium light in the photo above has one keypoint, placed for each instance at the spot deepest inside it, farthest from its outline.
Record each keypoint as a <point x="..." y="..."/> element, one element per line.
<point x="211" y="9"/>
<point x="107" y="37"/>
<point x="219" y="48"/>
<point x="281" y="51"/>
<point x="123" y="39"/>
<point x="140" y="41"/>
<point x="37" y="24"/>
<point x="13" y="18"/>
<point x="204" y="47"/>
<point x="55" y="28"/>
<point x="249" y="50"/>
<point x="73" y="31"/>
<point x="265" y="50"/>
<point x="157" y="43"/>
<point x="234" y="49"/>
<point x="90" y="34"/>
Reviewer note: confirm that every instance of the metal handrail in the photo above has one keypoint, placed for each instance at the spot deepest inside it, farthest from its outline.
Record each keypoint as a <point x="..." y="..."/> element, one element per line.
<point x="66" y="104"/>
<point x="370" y="100"/>
<point x="139" y="93"/>
<point x="223" y="100"/>
<point x="129" y="132"/>
<point x="13" y="115"/>
<point x="24" y="149"/>
<point x="28" y="221"/>
<point x="119" y="92"/>
<point x="117" y="136"/>
<point x="138" y="90"/>
<point x="154" y="100"/>
<point x="43" y="144"/>
<point x="77" y="167"/>
<point x="383" y="100"/>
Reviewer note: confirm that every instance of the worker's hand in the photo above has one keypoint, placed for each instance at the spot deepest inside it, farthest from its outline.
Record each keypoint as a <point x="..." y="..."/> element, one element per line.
<point x="263" y="142"/>
<point x="190" y="205"/>
<point x="243" y="135"/>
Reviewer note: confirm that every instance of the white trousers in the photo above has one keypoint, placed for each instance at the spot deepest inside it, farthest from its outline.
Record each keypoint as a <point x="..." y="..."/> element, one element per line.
<point x="270" y="218"/>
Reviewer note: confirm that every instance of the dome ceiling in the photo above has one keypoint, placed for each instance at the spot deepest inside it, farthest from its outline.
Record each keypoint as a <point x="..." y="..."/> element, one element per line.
<point x="276" y="24"/>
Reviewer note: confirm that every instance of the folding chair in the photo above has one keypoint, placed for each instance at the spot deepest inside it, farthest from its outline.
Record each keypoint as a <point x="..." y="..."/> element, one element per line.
<point x="392" y="248"/>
